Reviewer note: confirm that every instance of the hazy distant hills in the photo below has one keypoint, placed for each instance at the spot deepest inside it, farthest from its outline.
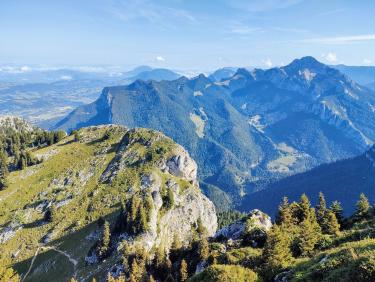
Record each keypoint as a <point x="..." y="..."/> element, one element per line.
<point x="223" y="73"/>
<point x="248" y="128"/>
<point x="342" y="180"/>
<point x="364" y="75"/>
<point x="45" y="96"/>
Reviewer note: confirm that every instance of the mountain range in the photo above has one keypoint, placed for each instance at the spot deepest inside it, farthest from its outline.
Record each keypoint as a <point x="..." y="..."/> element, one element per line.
<point x="249" y="128"/>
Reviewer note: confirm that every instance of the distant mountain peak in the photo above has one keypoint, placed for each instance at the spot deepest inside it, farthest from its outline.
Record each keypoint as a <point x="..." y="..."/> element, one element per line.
<point x="243" y="72"/>
<point x="199" y="82"/>
<point x="307" y="62"/>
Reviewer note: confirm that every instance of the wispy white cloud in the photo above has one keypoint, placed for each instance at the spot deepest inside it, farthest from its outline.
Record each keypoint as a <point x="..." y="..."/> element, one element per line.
<point x="160" y="59"/>
<point x="66" y="77"/>
<point x="267" y="62"/>
<point x="330" y="57"/>
<point x="262" y="5"/>
<point x="367" y="61"/>
<point x="340" y="39"/>
<point x="128" y="10"/>
<point x="291" y="30"/>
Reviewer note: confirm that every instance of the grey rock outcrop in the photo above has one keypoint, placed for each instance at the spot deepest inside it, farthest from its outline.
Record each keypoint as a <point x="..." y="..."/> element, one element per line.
<point x="254" y="220"/>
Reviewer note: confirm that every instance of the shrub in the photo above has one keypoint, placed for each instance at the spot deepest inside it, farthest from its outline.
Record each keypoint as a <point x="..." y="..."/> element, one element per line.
<point x="228" y="273"/>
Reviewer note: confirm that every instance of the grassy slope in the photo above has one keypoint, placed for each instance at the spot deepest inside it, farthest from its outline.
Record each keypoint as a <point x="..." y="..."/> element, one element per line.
<point x="43" y="182"/>
<point x="71" y="172"/>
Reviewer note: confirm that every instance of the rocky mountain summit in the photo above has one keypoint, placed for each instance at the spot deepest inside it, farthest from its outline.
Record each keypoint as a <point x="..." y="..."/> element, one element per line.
<point x="249" y="128"/>
<point x="137" y="181"/>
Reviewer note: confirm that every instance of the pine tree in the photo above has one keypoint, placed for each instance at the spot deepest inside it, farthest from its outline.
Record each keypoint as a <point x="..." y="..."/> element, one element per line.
<point x="277" y="253"/>
<point x="321" y="210"/>
<point x="309" y="235"/>
<point x="203" y="248"/>
<point x="362" y="207"/>
<point x="149" y="206"/>
<point x="106" y="236"/>
<point x="159" y="263"/>
<point x="135" y="272"/>
<point x="184" y="275"/>
<point x="4" y="172"/>
<point x="332" y="225"/>
<point x="284" y="215"/>
<point x="125" y="257"/>
<point x="176" y="244"/>
<point x="160" y="256"/>
<point x="338" y="211"/>
<point x="304" y="208"/>
<point x="142" y="219"/>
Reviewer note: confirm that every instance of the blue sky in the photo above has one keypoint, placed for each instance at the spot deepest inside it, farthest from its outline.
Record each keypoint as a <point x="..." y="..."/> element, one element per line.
<point x="204" y="34"/>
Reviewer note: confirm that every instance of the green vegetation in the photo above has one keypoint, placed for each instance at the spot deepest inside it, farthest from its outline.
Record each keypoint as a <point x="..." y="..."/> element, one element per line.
<point x="230" y="273"/>
<point x="79" y="211"/>
<point x="227" y="217"/>
<point x="16" y="146"/>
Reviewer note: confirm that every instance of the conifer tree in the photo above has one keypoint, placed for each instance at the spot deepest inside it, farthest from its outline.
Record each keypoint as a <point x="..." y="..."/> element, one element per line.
<point x="309" y="235"/>
<point x="321" y="210"/>
<point x="184" y="275"/>
<point x="149" y="205"/>
<point x="142" y="219"/>
<point x="203" y="249"/>
<point x="362" y="207"/>
<point x="338" y="211"/>
<point x="160" y="256"/>
<point x="277" y="253"/>
<point x="106" y="236"/>
<point x="284" y="215"/>
<point x="125" y="257"/>
<point x="304" y="207"/>
<point x="3" y="164"/>
<point x="135" y="272"/>
<point x="176" y="244"/>
<point x="332" y="225"/>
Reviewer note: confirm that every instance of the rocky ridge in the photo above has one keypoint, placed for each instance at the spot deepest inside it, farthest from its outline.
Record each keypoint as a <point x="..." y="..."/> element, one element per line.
<point x="87" y="177"/>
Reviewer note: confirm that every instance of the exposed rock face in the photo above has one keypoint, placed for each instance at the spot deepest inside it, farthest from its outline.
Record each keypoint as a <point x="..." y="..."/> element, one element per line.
<point x="181" y="165"/>
<point x="254" y="220"/>
<point x="180" y="170"/>
<point x="14" y="123"/>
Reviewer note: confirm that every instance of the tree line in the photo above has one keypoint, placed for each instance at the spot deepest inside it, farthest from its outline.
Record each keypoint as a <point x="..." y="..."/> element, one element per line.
<point x="16" y="149"/>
